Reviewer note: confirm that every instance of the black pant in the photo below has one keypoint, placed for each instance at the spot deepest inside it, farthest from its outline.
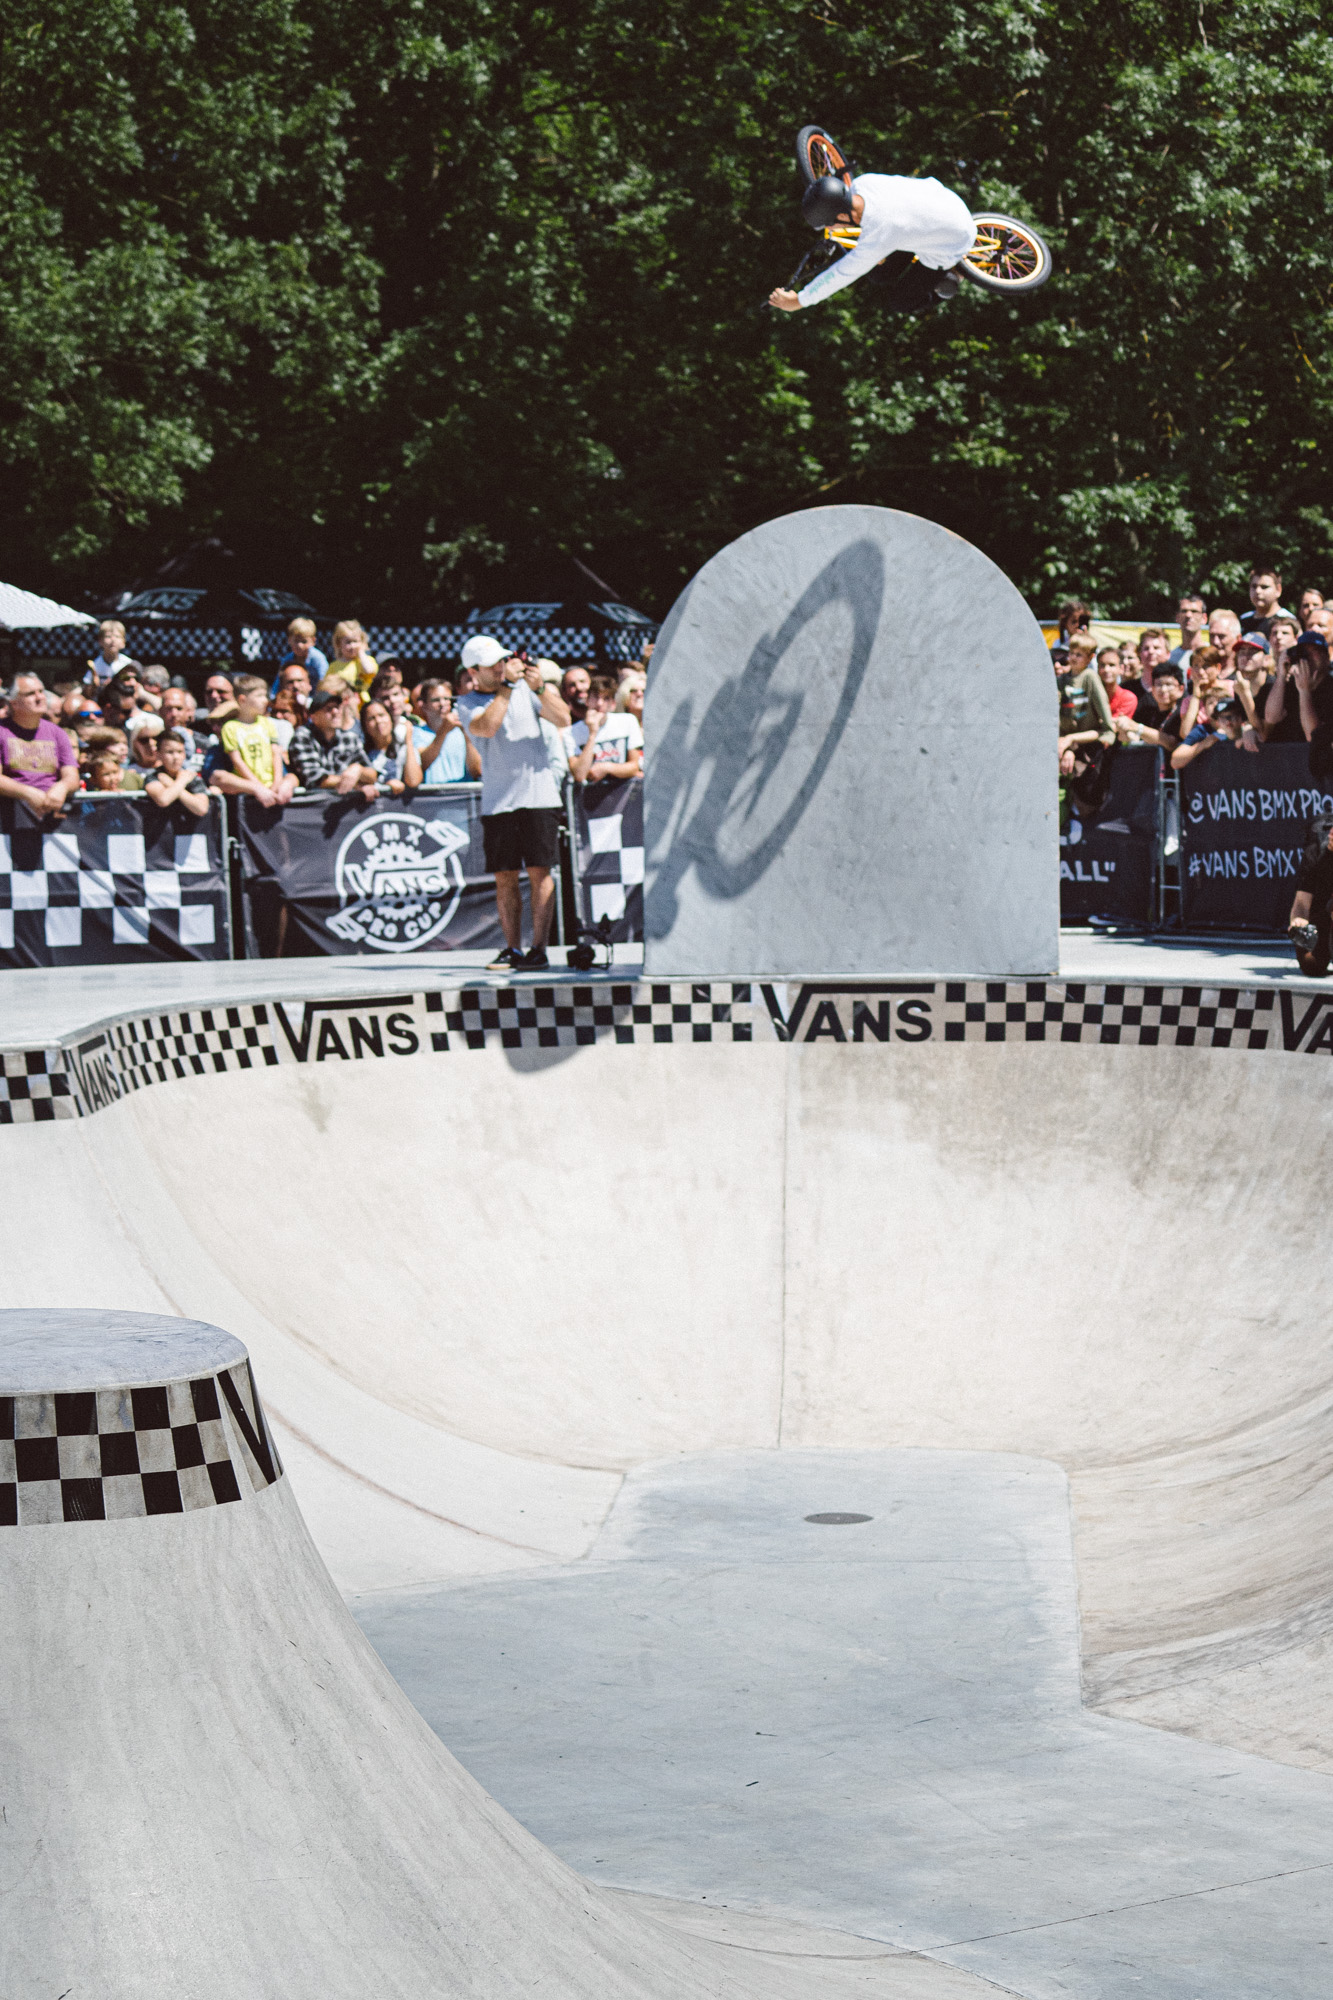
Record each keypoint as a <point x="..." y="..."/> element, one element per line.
<point x="901" y="285"/>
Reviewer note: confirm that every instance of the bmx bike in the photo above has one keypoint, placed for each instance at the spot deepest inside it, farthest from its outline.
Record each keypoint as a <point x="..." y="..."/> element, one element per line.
<point x="1007" y="256"/>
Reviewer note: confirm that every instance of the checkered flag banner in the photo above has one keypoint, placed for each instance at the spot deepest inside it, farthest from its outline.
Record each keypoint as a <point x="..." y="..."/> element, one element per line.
<point x="608" y="842"/>
<point x="116" y="881"/>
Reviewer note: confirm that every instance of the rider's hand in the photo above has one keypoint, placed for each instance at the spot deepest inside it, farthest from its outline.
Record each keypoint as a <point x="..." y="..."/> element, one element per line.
<point x="784" y="300"/>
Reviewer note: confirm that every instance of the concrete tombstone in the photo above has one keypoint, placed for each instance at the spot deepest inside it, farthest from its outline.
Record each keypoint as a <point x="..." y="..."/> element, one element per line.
<point x="850" y="761"/>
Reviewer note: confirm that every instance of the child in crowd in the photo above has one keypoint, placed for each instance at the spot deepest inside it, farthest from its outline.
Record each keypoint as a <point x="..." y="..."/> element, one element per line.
<point x="1166" y="728"/>
<point x="142" y="763"/>
<point x="110" y="653"/>
<point x="1109" y="673"/>
<point x="352" y="662"/>
<point x="103" y="773"/>
<point x="100" y="740"/>
<point x="303" y="652"/>
<point x="174" y="783"/>
<point x="253" y="743"/>
<point x="607" y="743"/>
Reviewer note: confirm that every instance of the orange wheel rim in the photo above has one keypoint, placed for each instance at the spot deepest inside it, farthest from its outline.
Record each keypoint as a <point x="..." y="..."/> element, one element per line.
<point x="1003" y="253"/>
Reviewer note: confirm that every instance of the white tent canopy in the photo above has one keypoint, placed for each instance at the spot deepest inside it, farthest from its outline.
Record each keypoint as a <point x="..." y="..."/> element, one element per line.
<point x="24" y="609"/>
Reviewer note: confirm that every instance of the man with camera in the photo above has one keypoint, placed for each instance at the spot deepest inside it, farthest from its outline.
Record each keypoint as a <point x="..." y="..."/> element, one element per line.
<point x="520" y="801"/>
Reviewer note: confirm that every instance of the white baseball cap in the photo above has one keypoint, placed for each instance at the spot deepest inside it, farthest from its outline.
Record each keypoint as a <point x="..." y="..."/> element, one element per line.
<point x="483" y="651"/>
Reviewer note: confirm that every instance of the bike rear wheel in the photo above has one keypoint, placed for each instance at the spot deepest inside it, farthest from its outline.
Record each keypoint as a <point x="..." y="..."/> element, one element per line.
<point x="1008" y="255"/>
<point x="818" y="154"/>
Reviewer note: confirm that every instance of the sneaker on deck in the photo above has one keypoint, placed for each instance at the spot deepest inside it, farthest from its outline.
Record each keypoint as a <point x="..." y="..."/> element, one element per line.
<point x="508" y="960"/>
<point x="534" y="960"/>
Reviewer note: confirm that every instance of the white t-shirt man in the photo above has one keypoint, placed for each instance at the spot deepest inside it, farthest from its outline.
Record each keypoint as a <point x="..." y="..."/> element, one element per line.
<point x="900" y="213"/>
<point x="619" y="734"/>
<point x="515" y="768"/>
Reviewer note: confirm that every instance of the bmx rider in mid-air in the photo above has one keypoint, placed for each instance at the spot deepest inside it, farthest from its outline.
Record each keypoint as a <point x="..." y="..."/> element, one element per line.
<point x="918" y="230"/>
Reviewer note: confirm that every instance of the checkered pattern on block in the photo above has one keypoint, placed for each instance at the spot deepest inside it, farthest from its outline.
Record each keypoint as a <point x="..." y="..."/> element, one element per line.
<point x="119" y="1454"/>
<point x="1141" y="1016"/>
<point x="549" y="1017"/>
<point x="34" y="1087"/>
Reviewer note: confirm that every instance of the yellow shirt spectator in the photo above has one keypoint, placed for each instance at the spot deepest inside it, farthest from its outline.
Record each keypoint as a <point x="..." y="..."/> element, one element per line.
<point x="358" y="674"/>
<point x="253" y="743"/>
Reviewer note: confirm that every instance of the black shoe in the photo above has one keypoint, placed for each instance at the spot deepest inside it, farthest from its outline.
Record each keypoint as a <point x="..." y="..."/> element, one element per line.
<point x="948" y="285"/>
<point x="534" y="960"/>
<point x="508" y="960"/>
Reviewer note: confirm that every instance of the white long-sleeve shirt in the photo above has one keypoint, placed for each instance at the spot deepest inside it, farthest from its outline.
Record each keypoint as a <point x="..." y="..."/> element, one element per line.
<point x="922" y="216"/>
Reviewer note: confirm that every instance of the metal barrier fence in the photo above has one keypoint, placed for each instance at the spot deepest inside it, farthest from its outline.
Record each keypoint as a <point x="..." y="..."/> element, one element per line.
<point x="1215" y="847"/>
<point x="117" y="881"/>
<point x="121" y="881"/>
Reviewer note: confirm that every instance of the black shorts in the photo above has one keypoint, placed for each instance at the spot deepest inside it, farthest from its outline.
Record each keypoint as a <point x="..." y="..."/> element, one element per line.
<point x="526" y="837"/>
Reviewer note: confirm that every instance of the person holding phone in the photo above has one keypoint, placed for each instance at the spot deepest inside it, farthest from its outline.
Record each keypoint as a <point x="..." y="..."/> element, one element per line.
<point x="520" y="800"/>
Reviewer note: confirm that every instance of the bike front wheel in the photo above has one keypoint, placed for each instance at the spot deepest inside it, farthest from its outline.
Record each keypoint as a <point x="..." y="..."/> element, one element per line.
<point x="1008" y="255"/>
<point x="818" y="154"/>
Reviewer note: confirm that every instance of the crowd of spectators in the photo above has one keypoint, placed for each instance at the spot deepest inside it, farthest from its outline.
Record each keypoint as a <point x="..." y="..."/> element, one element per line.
<point x="1247" y="679"/>
<point x="1261" y="676"/>
<point x="352" y="724"/>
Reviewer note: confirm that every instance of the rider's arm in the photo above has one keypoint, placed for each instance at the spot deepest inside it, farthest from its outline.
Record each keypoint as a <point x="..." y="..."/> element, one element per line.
<point x="862" y="257"/>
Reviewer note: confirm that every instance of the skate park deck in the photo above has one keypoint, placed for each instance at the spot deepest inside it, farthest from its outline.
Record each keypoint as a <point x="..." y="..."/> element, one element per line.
<point x="564" y="1343"/>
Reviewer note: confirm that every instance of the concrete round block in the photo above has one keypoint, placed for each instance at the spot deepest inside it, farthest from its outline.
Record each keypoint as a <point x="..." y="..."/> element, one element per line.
<point x="850" y="761"/>
<point x="52" y="1349"/>
<point x="117" y="1416"/>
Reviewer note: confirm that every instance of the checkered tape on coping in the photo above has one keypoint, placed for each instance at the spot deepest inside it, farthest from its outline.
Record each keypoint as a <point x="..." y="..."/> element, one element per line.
<point x="139" y="1052"/>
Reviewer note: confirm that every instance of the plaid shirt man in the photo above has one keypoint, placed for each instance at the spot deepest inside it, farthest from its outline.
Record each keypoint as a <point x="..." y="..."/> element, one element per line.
<point x="313" y="758"/>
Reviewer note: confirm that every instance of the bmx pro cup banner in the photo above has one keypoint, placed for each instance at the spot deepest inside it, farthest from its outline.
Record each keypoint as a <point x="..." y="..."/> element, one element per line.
<point x="115" y="881"/>
<point x="357" y="877"/>
<point x="1244" y="819"/>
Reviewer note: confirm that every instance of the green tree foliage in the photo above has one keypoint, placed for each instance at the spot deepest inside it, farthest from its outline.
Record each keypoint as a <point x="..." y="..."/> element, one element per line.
<point x="412" y="301"/>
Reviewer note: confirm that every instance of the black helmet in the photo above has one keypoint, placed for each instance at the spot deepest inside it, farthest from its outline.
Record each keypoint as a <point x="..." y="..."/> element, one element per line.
<point x="825" y="200"/>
